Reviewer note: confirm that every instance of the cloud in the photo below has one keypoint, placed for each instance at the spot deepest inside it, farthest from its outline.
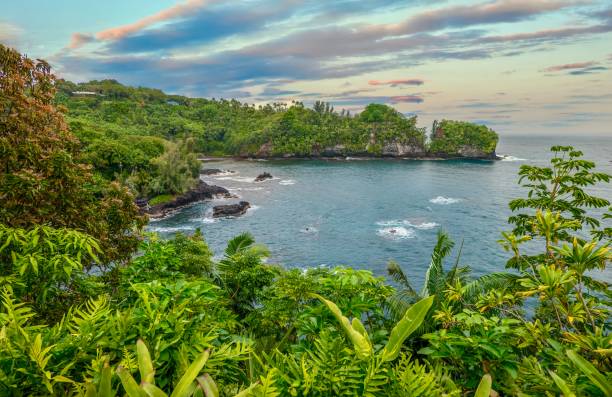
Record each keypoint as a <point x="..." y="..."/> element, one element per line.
<point x="549" y="34"/>
<point x="10" y="34"/>
<point x="396" y="83"/>
<point x="406" y="99"/>
<point x="577" y="65"/>
<point x="484" y="13"/>
<point x="589" y="70"/>
<point x="276" y="92"/>
<point x="179" y="10"/>
<point x="161" y="50"/>
<point x="78" y="40"/>
<point x="577" y="68"/>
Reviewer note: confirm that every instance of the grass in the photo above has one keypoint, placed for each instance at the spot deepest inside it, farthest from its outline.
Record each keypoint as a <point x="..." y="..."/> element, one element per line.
<point x="161" y="199"/>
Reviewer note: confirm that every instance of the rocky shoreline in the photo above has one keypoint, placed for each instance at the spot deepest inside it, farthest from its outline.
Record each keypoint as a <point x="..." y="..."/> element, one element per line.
<point x="439" y="157"/>
<point x="203" y="191"/>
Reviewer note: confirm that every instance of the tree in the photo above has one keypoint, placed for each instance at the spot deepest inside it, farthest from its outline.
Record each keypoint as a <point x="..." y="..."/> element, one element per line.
<point x="41" y="182"/>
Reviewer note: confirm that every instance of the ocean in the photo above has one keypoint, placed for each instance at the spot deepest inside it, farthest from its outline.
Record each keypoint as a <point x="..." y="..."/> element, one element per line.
<point x="363" y="213"/>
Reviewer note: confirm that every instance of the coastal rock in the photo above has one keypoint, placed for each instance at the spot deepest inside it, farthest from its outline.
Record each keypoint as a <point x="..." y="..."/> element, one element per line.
<point x="263" y="177"/>
<point x="265" y="150"/>
<point x="397" y="149"/>
<point x="213" y="171"/>
<point x="333" y="151"/>
<point x="473" y="152"/>
<point x="201" y="192"/>
<point x="230" y="209"/>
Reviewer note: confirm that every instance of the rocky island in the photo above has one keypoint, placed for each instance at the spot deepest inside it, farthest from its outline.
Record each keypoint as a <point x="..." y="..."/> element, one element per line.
<point x="230" y="209"/>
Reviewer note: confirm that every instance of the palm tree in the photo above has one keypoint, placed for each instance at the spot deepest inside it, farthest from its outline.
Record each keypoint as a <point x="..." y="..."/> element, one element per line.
<point x="243" y="273"/>
<point x="438" y="282"/>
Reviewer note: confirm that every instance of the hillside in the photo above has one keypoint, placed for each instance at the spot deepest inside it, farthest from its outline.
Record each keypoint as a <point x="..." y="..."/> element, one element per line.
<point x="106" y="109"/>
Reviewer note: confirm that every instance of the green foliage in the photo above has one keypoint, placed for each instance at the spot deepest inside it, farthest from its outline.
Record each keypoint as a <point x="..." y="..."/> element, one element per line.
<point x="110" y="120"/>
<point x="460" y="138"/>
<point x="561" y="189"/>
<point x="41" y="179"/>
<point x="73" y="322"/>
<point x="45" y="266"/>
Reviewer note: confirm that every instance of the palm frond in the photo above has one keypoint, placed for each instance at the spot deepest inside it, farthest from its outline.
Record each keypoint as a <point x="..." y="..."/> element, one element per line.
<point x="239" y="243"/>
<point x="397" y="274"/>
<point x="488" y="282"/>
<point x="434" y="278"/>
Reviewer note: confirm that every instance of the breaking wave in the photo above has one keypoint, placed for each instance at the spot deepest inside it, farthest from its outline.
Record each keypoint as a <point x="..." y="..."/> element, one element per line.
<point x="396" y="233"/>
<point x="441" y="200"/>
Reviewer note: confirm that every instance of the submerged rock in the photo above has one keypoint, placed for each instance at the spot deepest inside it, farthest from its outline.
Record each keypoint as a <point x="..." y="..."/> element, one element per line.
<point x="201" y="192"/>
<point x="263" y="177"/>
<point x="231" y="209"/>
<point x="211" y="171"/>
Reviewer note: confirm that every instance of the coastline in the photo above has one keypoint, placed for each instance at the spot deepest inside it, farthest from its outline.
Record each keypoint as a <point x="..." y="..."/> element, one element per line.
<point x="494" y="157"/>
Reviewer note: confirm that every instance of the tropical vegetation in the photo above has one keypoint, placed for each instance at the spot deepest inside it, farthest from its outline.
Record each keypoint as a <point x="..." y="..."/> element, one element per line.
<point x="83" y="313"/>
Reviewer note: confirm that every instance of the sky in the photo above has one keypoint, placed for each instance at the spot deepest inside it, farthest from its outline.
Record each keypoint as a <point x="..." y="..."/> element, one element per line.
<point x="518" y="66"/>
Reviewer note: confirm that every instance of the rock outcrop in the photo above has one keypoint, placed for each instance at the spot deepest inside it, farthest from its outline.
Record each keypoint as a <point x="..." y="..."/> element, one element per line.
<point x="230" y="209"/>
<point x="263" y="177"/>
<point x="469" y="151"/>
<point x="201" y="192"/>
<point x="397" y="149"/>
<point x="211" y="171"/>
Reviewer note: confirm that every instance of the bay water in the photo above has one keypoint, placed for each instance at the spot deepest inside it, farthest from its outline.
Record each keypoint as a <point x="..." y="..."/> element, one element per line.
<point x="363" y="213"/>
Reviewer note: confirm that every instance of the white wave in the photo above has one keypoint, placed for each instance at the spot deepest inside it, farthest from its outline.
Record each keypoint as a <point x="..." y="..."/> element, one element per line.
<point x="395" y="222"/>
<point x="507" y="157"/>
<point x="251" y="209"/>
<point x="161" y="229"/>
<point x="422" y="225"/>
<point x="287" y="182"/>
<point x="396" y="233"/>
<point x="242" y="179"/>
<point x="209" y="220"/>
<point x="444" y="200"/>
<point x="224" y="173"/>
<point x="245" y="189"/>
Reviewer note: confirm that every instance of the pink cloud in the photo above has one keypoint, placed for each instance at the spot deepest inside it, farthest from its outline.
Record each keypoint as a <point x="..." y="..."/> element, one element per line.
<point x="568" y="66"/>
<point x="406" y="99"/>
<point x="179" y="10"/>
<point x="77" y="40"/>
<point x="394" y="83"/>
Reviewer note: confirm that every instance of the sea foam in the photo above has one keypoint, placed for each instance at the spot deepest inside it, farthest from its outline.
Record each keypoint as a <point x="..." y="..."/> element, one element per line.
<point x="396" y="233"/>
<point x="507" y="157"/>
<point x="422" y="225"/>
<point x="441" y="200"/>
<point x="169" y="229"/>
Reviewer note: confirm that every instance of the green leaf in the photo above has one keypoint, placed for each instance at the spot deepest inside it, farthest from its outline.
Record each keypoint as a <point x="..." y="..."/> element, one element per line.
<point x="105" y="389"/>
<point x="412" y="319"/>
<point x="561" y="385"/>
<point x="208" y="385"/>
<point x="591" y="372"/>
<point x="129" y="384"/>
<point x="153" y="391"/>
<point x="247" y="392"/>
<point x="362" y="344"/>
<point x="484" y="387"/>
<point x="145" y="364"/>
<point x="184" y="386"/>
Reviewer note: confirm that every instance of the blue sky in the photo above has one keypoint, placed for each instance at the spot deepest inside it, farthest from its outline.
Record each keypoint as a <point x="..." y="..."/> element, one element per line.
<point x="519" y="66"/>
